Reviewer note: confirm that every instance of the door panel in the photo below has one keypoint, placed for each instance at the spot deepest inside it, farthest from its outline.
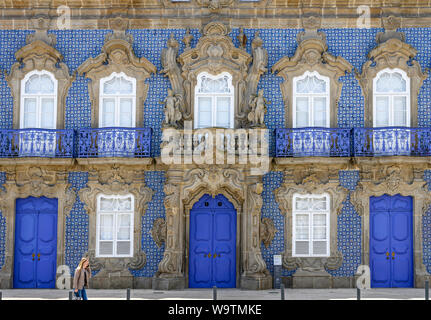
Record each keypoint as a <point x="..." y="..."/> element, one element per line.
<point x="35" y="243"/>
<point x="212" y="260"/>
<point x="391" y="241"/>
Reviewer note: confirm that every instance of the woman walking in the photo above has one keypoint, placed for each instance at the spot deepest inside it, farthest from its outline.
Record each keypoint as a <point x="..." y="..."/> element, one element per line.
<point x="80" y="280"/>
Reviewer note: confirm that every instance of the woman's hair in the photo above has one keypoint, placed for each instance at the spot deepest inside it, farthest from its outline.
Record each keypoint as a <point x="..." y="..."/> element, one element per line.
<point x="81" y="263"/>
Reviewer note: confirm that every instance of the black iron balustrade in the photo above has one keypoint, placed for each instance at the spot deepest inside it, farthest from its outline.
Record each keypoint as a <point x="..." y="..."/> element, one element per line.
<point x="46" y="143"/>
<point x="312" y="141"/>
<point x="114" y="142"/>
<point x="391" y="141"/>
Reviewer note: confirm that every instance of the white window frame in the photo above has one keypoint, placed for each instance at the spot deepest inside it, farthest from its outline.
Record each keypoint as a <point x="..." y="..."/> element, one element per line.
<point x="391" y="96"/>
<point x="311" y="97"/>
<point x="117" y="98"/>
<point x="311" y="213"/>
<point x="115" y="230"/>
<point x="214" y="97"/>
<point x="38" y="98"/>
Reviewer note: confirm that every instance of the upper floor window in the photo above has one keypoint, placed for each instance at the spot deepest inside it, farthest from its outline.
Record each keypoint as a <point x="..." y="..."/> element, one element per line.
<point x="311" y="225"/>
<point x="311" y="100"/>
<point x="114" y="231"/>
<point x="117" y="101"/>
<point x="391" y="101"/>
<point x="214" y="101"/>
<point x="38" y="100"/>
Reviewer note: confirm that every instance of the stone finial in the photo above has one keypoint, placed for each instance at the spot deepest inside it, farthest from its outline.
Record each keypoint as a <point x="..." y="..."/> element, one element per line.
<point x="119" y="25"/>
<point x="391" y="24"/>
<point x="187" y="40"/>
<point x="311" y="24"/>
<point x="242" y="39"/>
<point x="41" y="26"/>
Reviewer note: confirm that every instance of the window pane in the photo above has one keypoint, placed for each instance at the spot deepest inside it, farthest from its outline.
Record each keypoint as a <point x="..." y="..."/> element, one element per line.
<point x="302" y="233"/>
<point x="106" y="204"/>
<point x="319" y="248"/>
<point x="46" y="84"/>
<point x="391" y="82"/>
<point x="302" y="220"/>
<point x="204" y="116"/>
<point x="106" y="248"/>
<point x="47" y="117"/>
<point x="223" y="112"/>
<point x="108" y="115"/>
<point x="311" y="85"/>
<point x="320" y="112"/>
<point x="319" y="203"/>
<point x="382" y="111"/>
<point x="319" y="233"/>
<point x="125" y="204"/>
<point x="302" y="115"/>
<point x="126" y="86"/>
<point x="319" y="219"/>
<point x="123" y="247"/>
<point x="126" y="113"/>
<point x="220" y="85"/>
<point x="400" y="112"/>
<point x="39" y="84"/>
<point x="302" y="247"/>
<point x="30" y="115"/>
<point x="118" y="85"/>
<point x="106" y="227"/>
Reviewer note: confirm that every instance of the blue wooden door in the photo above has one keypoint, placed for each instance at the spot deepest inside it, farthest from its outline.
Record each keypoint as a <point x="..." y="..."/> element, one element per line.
<point x="212" y="259"/>
<point x="391" y="241"/>
<point x="35" y="243"/>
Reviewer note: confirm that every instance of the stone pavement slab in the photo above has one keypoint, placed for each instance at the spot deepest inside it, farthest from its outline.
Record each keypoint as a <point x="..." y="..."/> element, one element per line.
<point x="222" y="294"/>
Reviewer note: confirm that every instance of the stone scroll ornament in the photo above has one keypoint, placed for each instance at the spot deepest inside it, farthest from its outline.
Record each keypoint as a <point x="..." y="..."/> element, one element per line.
<point x="214" y="53"/>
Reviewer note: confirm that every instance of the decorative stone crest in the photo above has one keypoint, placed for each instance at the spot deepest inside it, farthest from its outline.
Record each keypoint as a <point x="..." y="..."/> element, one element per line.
<point x="391" y="52"/>
<point x="158" y="232"/>
<point x="39" y="54"/>
<point x="313" y="265"/>
<point x="214" y="53"/>
<point x="117" y="56"/>
<point x="267" y="231"/>
<point x="311" y="55"/>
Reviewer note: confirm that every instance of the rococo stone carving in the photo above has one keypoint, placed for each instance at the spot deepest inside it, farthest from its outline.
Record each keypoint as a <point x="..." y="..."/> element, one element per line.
<point x="214" y="53"/>
<point x="313" y="265"/>
<point x="117" y="56"/>
<point x="311" y="55"/>
<point x="39" y="54"/>
<point x="158" y="232"/>
<point x="267" y="231"/>
<point x="391" y="52"/>
<point x="117" y="181"/>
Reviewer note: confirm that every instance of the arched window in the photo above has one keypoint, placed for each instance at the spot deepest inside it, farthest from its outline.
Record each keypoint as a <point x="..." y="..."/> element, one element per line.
<point x="117" y="101"/>
<point x="311" y="216"/>
<point x="311" y="100"/>
<point x="391" y="101"/>
<point x="39" y="100"/>
<point x="214" y="101"/>
<point x="114" y="231"/>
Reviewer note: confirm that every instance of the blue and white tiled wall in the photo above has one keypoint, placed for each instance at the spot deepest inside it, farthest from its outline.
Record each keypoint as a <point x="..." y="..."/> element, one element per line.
<point x="2" y="225"/>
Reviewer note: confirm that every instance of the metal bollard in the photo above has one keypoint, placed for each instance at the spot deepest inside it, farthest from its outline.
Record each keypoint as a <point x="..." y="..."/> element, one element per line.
<point x="282" y="291"/>
<point x="214" y="293"/>
<point x="70" y="295"/>
<point x="1" y="295"/>
<point x="427" y="290"/>
<point x="358" y="294"/>
<point x="128" y="294"/>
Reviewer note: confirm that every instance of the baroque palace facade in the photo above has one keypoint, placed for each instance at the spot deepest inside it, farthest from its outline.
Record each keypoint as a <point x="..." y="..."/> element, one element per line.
<point x="185" y="143"/>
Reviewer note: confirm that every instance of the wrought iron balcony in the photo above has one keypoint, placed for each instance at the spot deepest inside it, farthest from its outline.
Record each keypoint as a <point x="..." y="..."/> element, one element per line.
<point x="312" y="142"/>
<point x="391" y="141"/>
<point x="47" y="143"/>
<point x="114" y="142"/>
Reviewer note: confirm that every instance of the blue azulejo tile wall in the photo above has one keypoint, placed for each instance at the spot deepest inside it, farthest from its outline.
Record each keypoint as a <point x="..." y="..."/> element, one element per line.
<point x="2" y="226"/>
<point x="349" y="229"/>
<point x="426" y="228"/>
<point x="154" y="180"/>
<point x="76" y="244"/>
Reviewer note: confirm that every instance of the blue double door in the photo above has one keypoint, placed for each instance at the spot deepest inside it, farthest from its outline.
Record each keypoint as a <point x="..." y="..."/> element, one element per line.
<point x="35" y="243"/>
<point x="212" y="251"/>
<point x="391" y="241"/>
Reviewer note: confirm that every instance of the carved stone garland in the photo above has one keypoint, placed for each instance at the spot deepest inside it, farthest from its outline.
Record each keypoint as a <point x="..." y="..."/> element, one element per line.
<point x="391" y="52"/>
<point x="397" y="180"/>
<point x="116" y="181"/>
<point x="311" y="184"/>
<point x="33" y="182"/>
<point x="117" y="56"/>
<point x="311" y="55"/>
<point x="215" y="53"/>
<point x="39" y="54"/>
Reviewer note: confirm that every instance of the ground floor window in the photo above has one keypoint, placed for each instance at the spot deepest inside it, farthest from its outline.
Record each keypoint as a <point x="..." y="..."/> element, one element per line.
<point x="311" y="225"/>
<point x="114" y="226"/>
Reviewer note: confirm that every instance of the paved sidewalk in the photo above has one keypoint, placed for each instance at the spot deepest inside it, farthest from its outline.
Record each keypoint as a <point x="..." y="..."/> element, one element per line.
<point x="222" y="294"/>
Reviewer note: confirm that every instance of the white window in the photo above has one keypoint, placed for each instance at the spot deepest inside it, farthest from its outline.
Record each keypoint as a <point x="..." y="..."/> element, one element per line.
<point x="114" y="230"/>
<point x="38" y="100"/>
<point x="214" y="101"/>
<point x="311" y="100"/>
<point x="311" y="225"/>
<point x="391" y="88"/>
<point x="117" y="101"/>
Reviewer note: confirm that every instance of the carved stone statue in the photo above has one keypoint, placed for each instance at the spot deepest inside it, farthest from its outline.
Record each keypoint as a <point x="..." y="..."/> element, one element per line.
<point x="258" y="109"/>
<point x="172" y="109"/>
<point x="242" y="38"/>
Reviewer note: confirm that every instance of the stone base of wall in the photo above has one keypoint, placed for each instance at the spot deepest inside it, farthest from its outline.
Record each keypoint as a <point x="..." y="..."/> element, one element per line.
<point x="168" y="283"/>
<point x="5" y="282"/>
<point x="112" y="280"/>
<point x="262" y="283"/>
<point x="326" y="282"/>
